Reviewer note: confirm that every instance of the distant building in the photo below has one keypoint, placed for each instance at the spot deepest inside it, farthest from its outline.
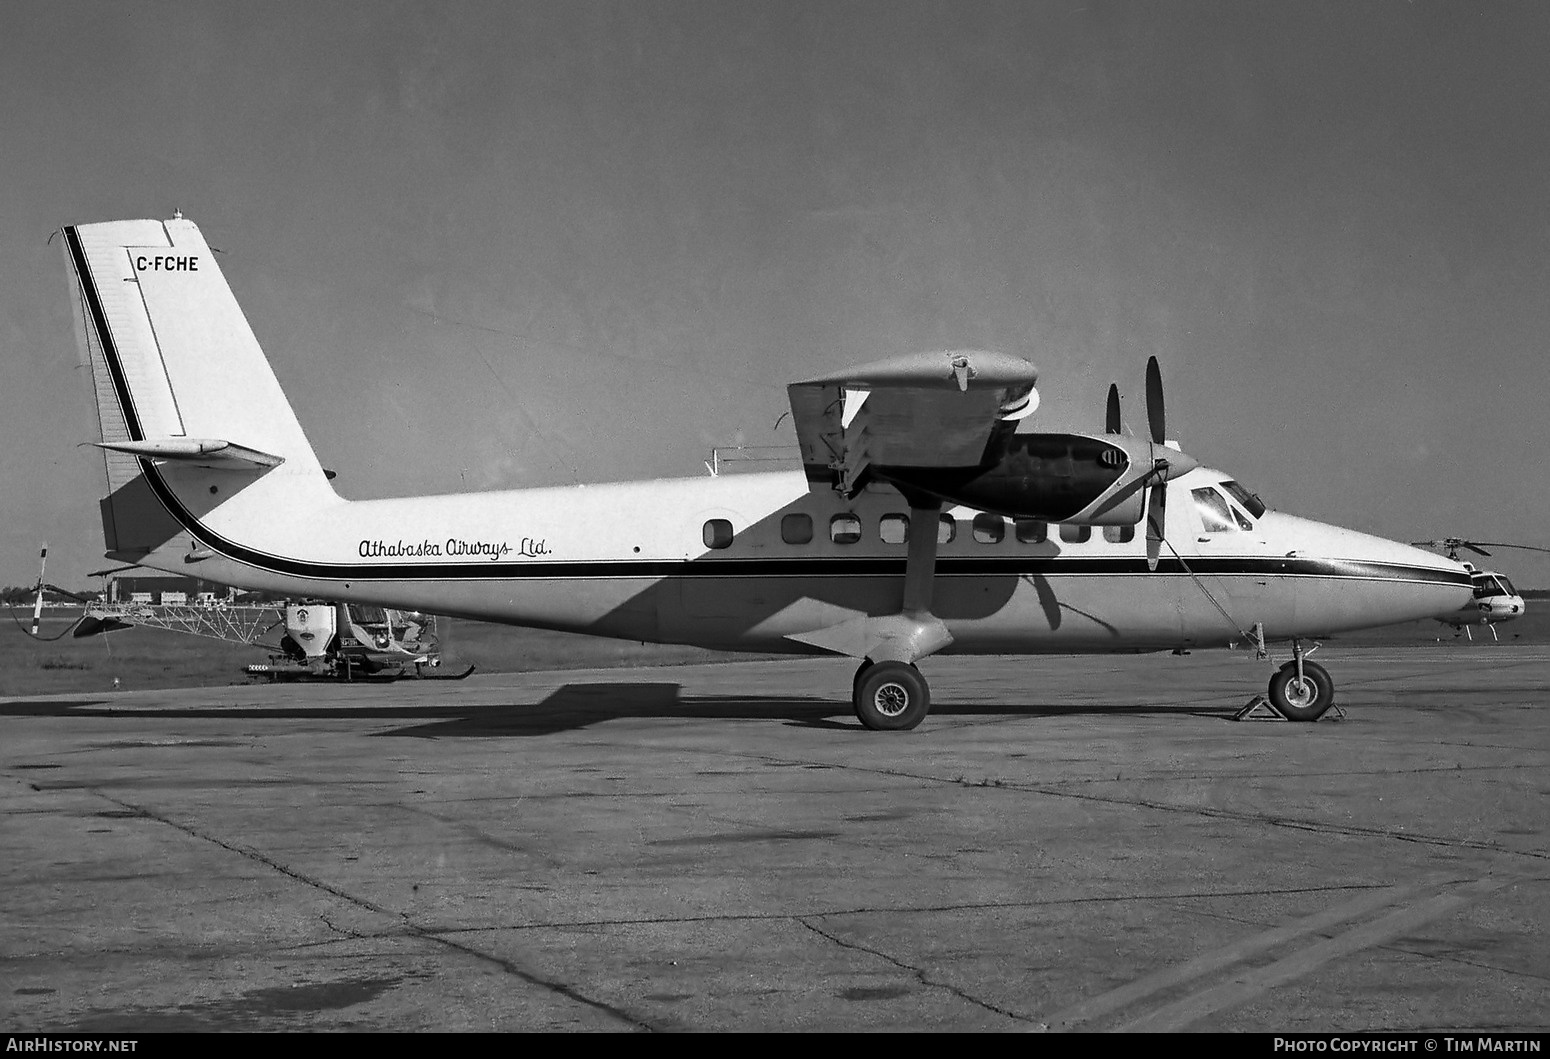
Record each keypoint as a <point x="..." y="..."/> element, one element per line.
<point x="172" y="591"/>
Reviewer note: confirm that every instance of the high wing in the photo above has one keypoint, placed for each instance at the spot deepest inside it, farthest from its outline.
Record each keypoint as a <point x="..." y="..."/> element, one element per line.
<point x="927" y="410"/>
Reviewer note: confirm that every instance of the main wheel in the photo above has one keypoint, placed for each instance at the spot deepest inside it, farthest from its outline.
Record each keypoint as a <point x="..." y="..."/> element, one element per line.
<point x="1305" y="699"/>
<point x="855" y="681"/>
<point x="892" y="697"/>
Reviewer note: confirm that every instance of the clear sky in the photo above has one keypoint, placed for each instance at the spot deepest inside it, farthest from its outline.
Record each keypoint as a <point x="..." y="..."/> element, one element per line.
<point x="505" y="244"/>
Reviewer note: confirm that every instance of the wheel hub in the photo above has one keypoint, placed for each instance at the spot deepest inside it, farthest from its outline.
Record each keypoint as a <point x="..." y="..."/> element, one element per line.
<point x="1301" y="692"/>
<point x="891" y="699"/>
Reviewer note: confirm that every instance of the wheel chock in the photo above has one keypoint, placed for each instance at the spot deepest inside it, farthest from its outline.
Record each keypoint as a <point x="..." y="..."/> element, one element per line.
<point x="1259" y="706"/>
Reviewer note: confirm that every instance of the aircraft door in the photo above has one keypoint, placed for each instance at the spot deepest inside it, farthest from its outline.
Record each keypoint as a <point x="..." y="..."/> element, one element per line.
<point x="1232" y="561"/>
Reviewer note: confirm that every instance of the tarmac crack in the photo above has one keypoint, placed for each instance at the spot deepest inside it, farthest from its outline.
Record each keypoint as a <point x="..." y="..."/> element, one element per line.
<point x="1448" y="957"/>
<point x="921" y="975"/>
<point x="410" y="927"/>
<point x="1269" y="819"/>
<point x="963" y="906"/>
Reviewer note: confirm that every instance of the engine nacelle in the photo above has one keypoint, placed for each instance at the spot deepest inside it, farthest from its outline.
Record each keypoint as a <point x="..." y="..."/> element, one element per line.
<point x="1078" y="479"/>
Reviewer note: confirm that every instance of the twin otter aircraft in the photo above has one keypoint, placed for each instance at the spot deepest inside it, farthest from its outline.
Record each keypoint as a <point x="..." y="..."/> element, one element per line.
<point x="920" y="523"/>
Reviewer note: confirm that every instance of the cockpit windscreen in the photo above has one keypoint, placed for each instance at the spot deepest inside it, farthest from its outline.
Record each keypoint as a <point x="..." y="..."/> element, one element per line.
<point x="1251" y="502"/>
<point x="1487" y="584"/>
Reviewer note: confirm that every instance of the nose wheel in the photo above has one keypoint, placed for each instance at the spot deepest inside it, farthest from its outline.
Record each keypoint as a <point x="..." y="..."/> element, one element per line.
<point x="1302" y="696"/>
<point x="1299" y="691"/>
<point x="890" y="696"/>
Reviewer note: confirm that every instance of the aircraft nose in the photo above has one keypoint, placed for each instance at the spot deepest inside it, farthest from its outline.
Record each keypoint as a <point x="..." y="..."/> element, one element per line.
<point x="1448" y="580"/>
<point x="1375" y="581"/>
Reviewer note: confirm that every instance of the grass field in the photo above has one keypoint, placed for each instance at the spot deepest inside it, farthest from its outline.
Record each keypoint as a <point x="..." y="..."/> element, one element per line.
<point x="139" y="659"/>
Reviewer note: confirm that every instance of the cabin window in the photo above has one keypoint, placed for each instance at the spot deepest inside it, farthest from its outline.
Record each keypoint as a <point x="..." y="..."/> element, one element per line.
<point x="1213" y="510"/>
<point x="796" y="529"/>
<point x="989" y="529"/>
<point x="895" y="529"/>
<point x="1119" y="534"/>
<point x="1076" y="534"/>
<point x="845" y="529"/>
<point x="1032" y="531"/>
<point x="718" y="533"/>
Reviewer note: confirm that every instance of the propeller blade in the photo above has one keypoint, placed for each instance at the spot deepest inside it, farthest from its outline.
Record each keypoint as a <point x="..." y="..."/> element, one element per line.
<point x="1156" y="519"/>
<point x="37" y="604"/>
<point x="1156" y="417"/>
<point x="1111" y="422"/>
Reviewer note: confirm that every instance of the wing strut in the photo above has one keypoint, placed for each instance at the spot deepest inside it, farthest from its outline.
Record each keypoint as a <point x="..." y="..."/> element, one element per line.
<point x="914" y="632"/>
<point x="920" y="565"/>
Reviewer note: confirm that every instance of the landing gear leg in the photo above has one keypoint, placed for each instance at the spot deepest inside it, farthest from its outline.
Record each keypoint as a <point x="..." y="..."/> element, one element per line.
<point x="891" y="696"/>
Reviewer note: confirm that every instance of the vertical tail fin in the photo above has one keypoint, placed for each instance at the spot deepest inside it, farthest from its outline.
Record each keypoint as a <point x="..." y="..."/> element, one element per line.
<point x="180" y="382"/>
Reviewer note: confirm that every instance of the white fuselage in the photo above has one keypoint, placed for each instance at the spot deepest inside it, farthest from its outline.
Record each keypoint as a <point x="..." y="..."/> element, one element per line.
<point x="210" y="475"/>
<point x="632" y="560"/>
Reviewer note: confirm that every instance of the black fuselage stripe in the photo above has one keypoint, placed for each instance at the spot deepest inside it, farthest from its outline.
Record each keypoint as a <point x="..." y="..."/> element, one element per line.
<point x="796" y="566"/>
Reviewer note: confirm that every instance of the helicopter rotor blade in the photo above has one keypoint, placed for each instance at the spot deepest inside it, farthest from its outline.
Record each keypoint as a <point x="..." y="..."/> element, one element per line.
<point x="1523" y="547"/>
<point x="37" y="603"/>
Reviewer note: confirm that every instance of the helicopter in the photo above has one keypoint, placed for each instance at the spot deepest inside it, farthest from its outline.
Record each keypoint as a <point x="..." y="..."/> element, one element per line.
<point x="1496" y="600"/>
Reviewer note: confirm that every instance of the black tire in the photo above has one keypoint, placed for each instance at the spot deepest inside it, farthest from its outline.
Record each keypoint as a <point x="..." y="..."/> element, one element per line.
<point x="855" y="681"/>
<point x="892" y="697"/>
<point x="1306" y="701"/>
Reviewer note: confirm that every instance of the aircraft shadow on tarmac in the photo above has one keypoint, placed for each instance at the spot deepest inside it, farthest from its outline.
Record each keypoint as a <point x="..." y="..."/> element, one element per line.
<point x="577" y="706"/>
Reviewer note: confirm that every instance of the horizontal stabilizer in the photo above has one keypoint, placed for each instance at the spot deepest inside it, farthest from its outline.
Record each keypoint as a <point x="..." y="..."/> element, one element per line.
<point x="202" y="452"/>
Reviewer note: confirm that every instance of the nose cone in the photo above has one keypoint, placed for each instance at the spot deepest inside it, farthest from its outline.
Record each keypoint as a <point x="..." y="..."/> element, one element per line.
<point x="1361" y="581"/>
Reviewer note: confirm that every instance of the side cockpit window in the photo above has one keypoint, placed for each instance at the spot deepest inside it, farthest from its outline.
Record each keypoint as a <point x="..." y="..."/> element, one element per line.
<point x="1213" y="511"/>
<point x="1217" y="514"/>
